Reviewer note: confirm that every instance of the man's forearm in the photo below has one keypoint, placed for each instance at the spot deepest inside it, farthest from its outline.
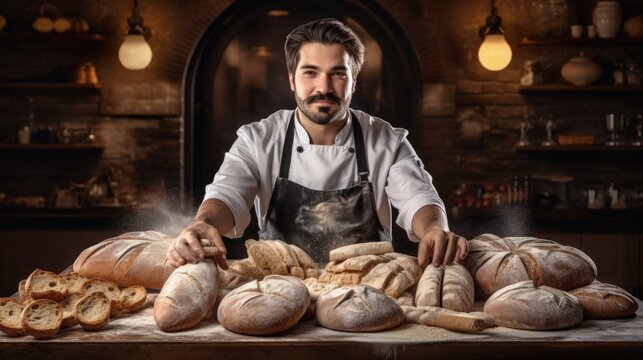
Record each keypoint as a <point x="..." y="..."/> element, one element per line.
<point x="216" y="213"/>
<point x="427" y="218"/>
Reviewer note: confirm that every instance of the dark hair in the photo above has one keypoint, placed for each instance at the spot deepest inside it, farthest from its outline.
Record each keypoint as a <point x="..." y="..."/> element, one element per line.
<point x="325" y="31"/>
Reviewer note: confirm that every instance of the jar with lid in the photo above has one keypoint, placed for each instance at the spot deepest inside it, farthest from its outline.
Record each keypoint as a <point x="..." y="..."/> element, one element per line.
<point x="618" y="74"/>
<point x="633" y="72"/>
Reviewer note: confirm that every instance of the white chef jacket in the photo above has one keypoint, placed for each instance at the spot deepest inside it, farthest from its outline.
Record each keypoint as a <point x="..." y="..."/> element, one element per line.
<point x="251" y="167"/>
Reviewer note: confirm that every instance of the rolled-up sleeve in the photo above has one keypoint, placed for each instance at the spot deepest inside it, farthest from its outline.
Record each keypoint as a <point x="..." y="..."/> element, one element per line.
<point x="236" y="183"/>
<point x="410" y="187"/>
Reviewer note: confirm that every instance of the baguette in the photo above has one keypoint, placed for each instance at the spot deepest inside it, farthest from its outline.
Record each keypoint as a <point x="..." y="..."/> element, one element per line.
<point x="187" y="296"/>
<point x="368" y="248"/>
<point x="448" y="319"/>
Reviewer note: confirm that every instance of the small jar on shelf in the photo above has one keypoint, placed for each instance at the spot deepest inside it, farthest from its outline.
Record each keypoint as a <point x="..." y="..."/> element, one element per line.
<point x="633" y="72"/>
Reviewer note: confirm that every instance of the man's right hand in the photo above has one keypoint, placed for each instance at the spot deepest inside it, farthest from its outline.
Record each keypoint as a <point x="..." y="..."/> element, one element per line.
<point x="188" y="246"/>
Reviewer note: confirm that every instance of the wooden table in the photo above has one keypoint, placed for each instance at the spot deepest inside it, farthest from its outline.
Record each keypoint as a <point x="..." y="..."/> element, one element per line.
<point x="136" y="336"/>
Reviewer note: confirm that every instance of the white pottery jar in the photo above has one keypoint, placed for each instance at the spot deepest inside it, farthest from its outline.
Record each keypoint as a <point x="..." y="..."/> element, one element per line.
<point x="607" y="18"/>
<point x="581" y="71"/>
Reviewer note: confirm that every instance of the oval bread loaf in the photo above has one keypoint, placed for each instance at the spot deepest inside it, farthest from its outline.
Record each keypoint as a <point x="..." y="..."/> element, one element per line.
<point x="187" y="296"/>
<point x="360" y="308"/>
<point x="605" y="301"/>
<point x="264" y="307"/>
<point x="525" y="306"/>
<point x="497" y="262"/>
<point x="134" y="258"/>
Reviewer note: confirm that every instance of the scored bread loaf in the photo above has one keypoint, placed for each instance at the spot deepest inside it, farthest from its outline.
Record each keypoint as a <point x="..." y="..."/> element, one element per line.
<point x="43" y="284"/>
<point x="395" y="276"/>
<point x="92" y="311"/>
<point x="525" y="306"/>
<point x="42" y="318"/>
<point x="605" y="301"/>
<point x="359" y="308"/>
<point x="450" y="287"/>
<point x="264" y="307"/>
<point x="497" y="262"/>
<point x="187" y="296"/>
<point x="134" y="258"/>
<point x="10" y="311"/>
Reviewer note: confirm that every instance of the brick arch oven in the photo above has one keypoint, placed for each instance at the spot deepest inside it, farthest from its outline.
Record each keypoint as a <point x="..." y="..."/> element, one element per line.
<point x="236" y="74"/>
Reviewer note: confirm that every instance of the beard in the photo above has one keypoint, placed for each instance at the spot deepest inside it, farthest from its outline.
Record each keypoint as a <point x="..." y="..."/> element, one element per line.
<point x="325" y="114"/>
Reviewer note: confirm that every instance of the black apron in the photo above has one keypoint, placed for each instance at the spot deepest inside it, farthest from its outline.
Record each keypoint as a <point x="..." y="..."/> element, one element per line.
<point x="319" y="221"/>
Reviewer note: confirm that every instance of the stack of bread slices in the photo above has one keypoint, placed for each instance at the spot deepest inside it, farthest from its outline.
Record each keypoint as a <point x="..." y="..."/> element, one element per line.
<point x="47" y="302"/>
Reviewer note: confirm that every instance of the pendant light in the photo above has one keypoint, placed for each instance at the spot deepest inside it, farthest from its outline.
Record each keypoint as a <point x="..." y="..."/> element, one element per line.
<point x="494" y="53"/>
<point x="135" y="53"/>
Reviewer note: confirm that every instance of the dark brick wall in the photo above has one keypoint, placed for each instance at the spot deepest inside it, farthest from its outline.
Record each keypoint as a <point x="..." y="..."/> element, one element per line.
<point x="467" y="132"/>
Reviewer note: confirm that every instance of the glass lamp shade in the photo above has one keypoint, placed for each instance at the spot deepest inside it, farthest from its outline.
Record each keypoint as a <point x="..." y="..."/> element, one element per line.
<point x="135" y="53"/>
<point x="494" y="53"/>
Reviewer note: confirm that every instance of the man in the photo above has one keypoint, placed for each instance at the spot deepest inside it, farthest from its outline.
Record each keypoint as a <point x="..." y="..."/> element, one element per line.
<point x="323" y="175"/>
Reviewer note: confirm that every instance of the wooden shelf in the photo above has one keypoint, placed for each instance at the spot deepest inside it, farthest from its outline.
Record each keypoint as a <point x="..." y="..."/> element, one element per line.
<point x="53" y="36"/>
<point x="63" y="147"/>
<point x="586" y="88"/>
<point x="579" y="148"/>
<point x="582" y="41"/>
<point x="47" y="86"/>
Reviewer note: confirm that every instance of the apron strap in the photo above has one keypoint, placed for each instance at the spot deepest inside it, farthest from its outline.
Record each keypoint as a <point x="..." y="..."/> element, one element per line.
<point x="286" y="154"/>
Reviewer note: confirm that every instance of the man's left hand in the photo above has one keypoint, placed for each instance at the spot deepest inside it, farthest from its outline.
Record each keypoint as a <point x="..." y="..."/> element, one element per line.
<point x="442" y="247"/>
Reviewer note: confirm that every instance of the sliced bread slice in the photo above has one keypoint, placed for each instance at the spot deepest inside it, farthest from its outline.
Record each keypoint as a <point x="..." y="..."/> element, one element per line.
<point x="42" y="318"/>
<point x="133" y="298"/>
<point x="111" y="290"/>
<point x="43" y="284"/>
<point x="74" y="282"/>
<point x="92" y="311"/>
<point x="24" y="296"/>
<point x="68" y="308"/>
<point x="10" y="311"/>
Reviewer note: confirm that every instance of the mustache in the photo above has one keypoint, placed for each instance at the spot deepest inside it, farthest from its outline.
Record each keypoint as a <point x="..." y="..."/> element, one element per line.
<point x="326" y="97"/>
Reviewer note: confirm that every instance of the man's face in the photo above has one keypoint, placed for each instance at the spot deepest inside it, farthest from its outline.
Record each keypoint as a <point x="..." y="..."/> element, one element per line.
<point x="323" y="82"/>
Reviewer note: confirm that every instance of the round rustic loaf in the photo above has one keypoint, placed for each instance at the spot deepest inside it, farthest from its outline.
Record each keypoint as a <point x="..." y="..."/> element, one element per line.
<point x="525" y="306"/>
<point x="497" y="262"/>
<point x="264" y="307"/>
<point x="359" y="308"/>
<point x="605" y="301"/>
